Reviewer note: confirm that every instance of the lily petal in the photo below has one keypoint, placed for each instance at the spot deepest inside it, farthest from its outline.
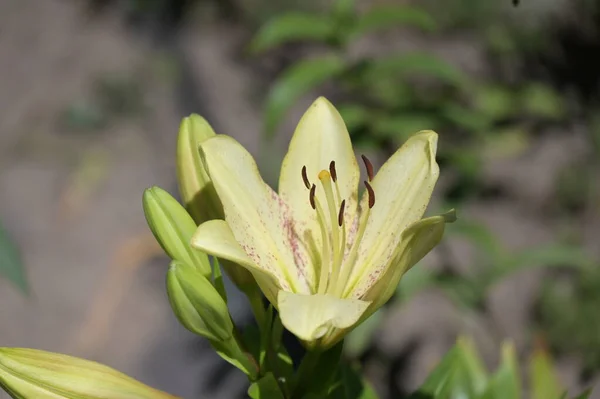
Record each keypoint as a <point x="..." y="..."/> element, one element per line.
<point x="216" y="238"/>
<point x="320" y="137"/>
<point x="310" y="317"/>
<point x="402" y="187"/>
<point x="259" y="219"/>
<point x="416" y="242"/>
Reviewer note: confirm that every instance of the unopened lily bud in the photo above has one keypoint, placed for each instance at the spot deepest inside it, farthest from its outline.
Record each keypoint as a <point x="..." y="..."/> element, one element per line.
<point x="195" y="186"/>
<point x="197" y="190"/>
<point x="30" y="373"/>
<point x="197" y="303"/>
<point x="173" y="228"/>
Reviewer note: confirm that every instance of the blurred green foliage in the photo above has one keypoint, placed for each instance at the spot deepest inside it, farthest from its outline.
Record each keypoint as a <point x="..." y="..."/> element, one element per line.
<point x="11" y="265"/>
<point x="461" y="374"/>
<point x="569" y="315"/>
<point x="386" y="97"/>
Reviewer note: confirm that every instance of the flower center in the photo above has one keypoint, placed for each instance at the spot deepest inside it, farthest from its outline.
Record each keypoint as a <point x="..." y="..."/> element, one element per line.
<point x="332" y="276"/>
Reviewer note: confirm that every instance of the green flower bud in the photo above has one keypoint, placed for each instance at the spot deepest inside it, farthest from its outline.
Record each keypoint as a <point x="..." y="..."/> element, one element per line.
<point x="197" y="303"/>
<point x="173" y="228"/>
<point x="30" y="373"/>
<point x="197" y="191"/>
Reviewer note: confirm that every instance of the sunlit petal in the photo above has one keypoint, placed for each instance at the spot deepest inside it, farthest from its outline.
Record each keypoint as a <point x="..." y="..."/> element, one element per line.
<point x="311" y="317"/>
<point x="416" y="242"/>
<point x="258" y="218"/>
<point x="402" y="187"/>
<point x="215" y="238"/>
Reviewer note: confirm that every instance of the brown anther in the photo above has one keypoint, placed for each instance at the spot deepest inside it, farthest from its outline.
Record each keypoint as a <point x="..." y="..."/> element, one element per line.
<point x="368" y="166"/>
<point x="312" y="196"/>
<point x="341" y="213"/>
<point x="305" y="177"/>
<point x="371" y="194"/>
<point x="332" y="171"/>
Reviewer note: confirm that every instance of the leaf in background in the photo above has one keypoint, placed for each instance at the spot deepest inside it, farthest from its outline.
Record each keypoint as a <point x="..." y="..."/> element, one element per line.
<point x="475" y="370"/>
<point x="495" y="101"/>
<point x="357" y="342"/>
<point x="505" y="143"/>
<point x="265" y="388"/>
<point x="584" y="395"/>
<point x="11" y="265"/>
<point x="466" y="160"/>
<point x="542" y="101"/>
<point x="419" y="63"/>
<point x="342" y="9"/>
<point x="449" y="380"/>
<point x="505" y="383"/>
<point x="544" y="382"/>
<point x="355" y="116"/>
<point x="549" y="256"/>
<point x="389" y="16"/>
<point x="293" y="26"/>
<point x="479" y="235"/>
<point x="472" y="121"/>
<point x="401" y="126"/>
<point x="297" y="80"/>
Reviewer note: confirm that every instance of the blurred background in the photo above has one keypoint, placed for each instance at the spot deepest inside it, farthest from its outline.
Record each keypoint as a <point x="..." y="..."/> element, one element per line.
<point x="91" y="96"/>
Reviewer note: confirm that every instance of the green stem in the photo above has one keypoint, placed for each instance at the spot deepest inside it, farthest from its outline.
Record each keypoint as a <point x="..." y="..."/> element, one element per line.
<point x="305" y="373"/>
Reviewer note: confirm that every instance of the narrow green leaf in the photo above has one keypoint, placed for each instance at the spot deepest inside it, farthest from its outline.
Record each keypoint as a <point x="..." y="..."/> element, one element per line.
<point x="11" y="265"/>
<point x="542" y="101"/>
<point x="473" y="365"/>
<point x="584" y="395"/>
<point x="544" y="382"/>
<point x="343" y="9"/>
<point x="545" y="256"/>
<point x="401" y="126"/>
<point x="479" y="235"/>
<point x="420" y="63"/>
<point x="495" y="101"/>
<point x="355" y="116"/>
<point x="297" y="80"/>
<point x="459" y="375"/>
<point x="265" y="388"/>
<point x="293" y="26"/>
<point x="388" y="16"/>
<point x="505" y="383"/>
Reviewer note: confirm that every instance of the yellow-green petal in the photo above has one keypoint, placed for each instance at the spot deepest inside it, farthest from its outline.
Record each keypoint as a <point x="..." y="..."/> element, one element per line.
<point x="31" y="373"/>
<point x="320" y="137"/>
<point x="259" y="219"/>
<point x="416" y="242"/>
<point x="402" y="187"/>
<point x="216" y="238"/>
<point x="311" y="317"/>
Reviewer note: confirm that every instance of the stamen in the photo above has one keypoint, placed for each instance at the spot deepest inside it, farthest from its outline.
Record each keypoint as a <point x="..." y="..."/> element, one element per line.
<point x="333" y="171"/>
<point x="371" y="194"/>
<point x="311" y="196"/>
<point x="341" y="213"/>
<point x="368" y="166"/>
<point x="305" y="178"/>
